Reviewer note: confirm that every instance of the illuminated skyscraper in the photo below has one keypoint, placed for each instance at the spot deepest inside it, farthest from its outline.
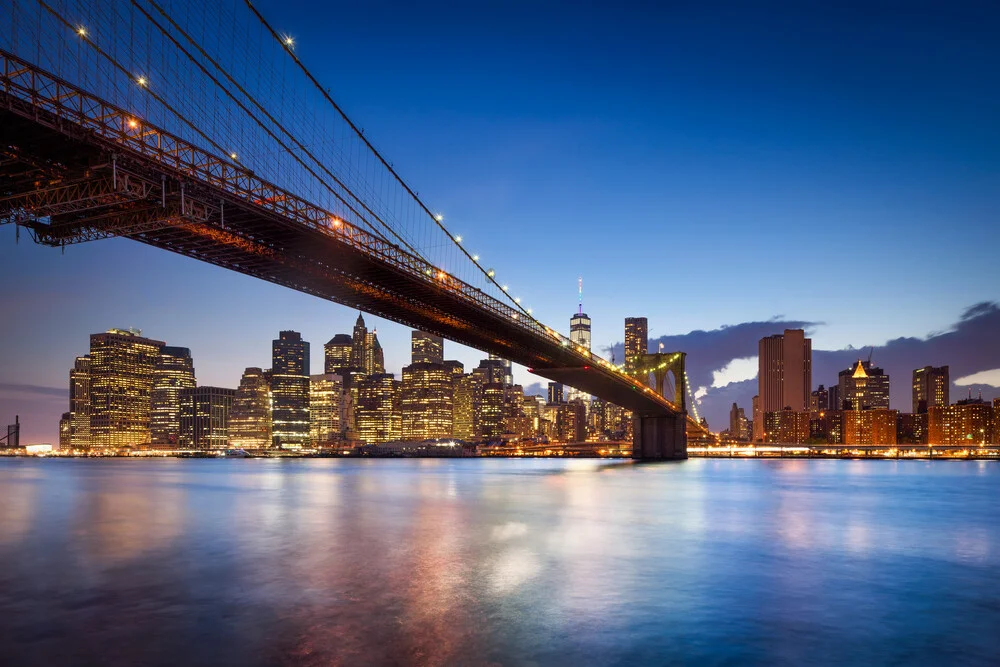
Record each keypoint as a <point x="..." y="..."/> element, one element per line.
<point x="931" y="387"/>
<point x="967" y="422"/>
<point x="377" y="410"/>
<point x="325" y="399"/>
<point x="250" y="418"/>
<point x="376" y="358"/>
<point x="579" y="324"/>
<point x="864" y="387"/>
<point x="79" y="403"/>
<point x="508" y="373"/>
<point x="555" y="396"/>
<point x="489" y="410"/>
<point x="869" y="427"/>
<point x="65" y="430"/>
<point x="337" y="354"/>
<point x="636" y="338"/>
<point x="359" y="341"/>
<point x="426" y="401"/>
<point x="122" y="366"/>
<point x="571" y="423"/>
<point x="204" y="413"/>
<point x="784" y="374"/>
<point x="174" y="371"/>
<point x="465" y="392"/>
<point x="426" y="348"/>
<point x="290" y="391"/>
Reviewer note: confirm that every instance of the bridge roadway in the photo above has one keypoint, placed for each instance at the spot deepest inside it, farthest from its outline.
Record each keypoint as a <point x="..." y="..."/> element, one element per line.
<point x="75" y="168"/>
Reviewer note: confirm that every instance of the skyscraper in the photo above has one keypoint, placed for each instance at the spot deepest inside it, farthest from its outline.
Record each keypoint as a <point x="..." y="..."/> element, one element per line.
<point x="337" y="353"/>
<point x="325" y="397"/>
<point x="426" y="348"/>
<point x="489" y="410"/>
<point x="79" y="403"/>
<point x="784" y="374"/>
<point x="931" y="386"/>
<point x="290" y="390"/>
<point x="426" y="401"/>
<point x="359" y="341"/>
<point x="377" y="410"/>
<point x="376" y="362"/>
<point x="204" y="417"/>
<point x="174" y="371"/>
<point x="250" y="417"/>
<point x="555" y="395"/>
<point x="465" y="390"/>
<point x="636" y="338"/>
<point x="864" y="387"/>
<point x="508" y="373"/>
<point x="819" y="400"/>
<point x="579" y="324"/>
<point x="122" y="365"/>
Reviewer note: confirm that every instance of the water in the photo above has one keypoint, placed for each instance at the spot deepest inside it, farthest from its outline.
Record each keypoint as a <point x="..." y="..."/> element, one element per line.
<point x="445" y="562"/>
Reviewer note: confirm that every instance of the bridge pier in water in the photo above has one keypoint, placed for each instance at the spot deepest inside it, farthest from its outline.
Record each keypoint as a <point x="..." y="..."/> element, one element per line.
<point x="659" y="438"/>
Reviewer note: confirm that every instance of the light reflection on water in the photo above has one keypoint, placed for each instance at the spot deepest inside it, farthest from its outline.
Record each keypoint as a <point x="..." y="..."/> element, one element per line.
<point x="438" y="562"/>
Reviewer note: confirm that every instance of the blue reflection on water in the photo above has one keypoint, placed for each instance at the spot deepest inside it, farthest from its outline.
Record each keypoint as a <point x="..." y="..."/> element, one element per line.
<point x="313" y="562"/>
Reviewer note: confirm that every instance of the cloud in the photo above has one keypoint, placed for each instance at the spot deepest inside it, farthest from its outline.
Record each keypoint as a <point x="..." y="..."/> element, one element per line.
<point x="34" y="389"/>
<point x="736" y="370"/>
<point x="990" y="377"/>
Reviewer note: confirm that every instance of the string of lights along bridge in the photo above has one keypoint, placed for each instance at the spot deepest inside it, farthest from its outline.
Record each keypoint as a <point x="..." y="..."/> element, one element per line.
<point x="149" y="121"/>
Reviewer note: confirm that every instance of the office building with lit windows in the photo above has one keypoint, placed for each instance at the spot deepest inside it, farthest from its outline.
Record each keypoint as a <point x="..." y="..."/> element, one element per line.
<point x="326" y="394"/>
<point x="79" y="403"/>
<point x="290" y="391"/>
<point x="636" y="338"/>
<point x="122" y="368"/>
<point x="864" y="387"/>
<point x="465" y="388"/>
<point x="250" y="417"/>
<point x="204" y="417"/>
<point x="337" y="353"/>
<point x="869" y="426"/>
<point x="377" y="411"/>
<point x="967" y="422"/>
<point x="489" y="410"/>
<point x="426" y="400"/>
<point x="426" y="348"/>
<point x="931" y="386"/>
<point x="784" y="375"/>
<point x="174" y="371"/>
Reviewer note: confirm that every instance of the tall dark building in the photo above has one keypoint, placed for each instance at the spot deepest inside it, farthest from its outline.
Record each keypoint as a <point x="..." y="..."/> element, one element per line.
<point x="426" y="348"/>
<point x="819" y="400"/>
<point x="636" y="338"/>
<point x="864" y="387"/>
<point x="79" y="403"/>
<point x="204" y="417"/>
<point x="931" y="386"/>
<point x="174" y="371"/>
<point x="290" y="391"/>
<point x="784" y="374"/>
<point x="555" y="396"/>
<point x="122" y="366"/>
<point x="359" y="344"/>
<point x="337" y="353"/>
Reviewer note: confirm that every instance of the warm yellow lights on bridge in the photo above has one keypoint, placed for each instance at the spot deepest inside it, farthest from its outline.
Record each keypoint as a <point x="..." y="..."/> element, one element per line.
<point x="439" y="217"/>
<point x="517" y="299"/>
<point x="458" y="239"/>
<point x="133" y="123"/>
<point x="529" y="311"/>
<point x="475" y="258"/>
<point x="336" y="222"/>
<point x="288" y="41"/>
<point x="232" y="156"/>
<point x="81" y="31"/>
<point x="504" y="288"/>
<point x="442" y="275"/>
<point x="141" y="81"/>
<point x="491" y="273"/>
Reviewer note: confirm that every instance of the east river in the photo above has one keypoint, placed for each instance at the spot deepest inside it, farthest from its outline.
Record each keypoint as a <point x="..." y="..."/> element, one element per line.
<point x="500" y="562"/>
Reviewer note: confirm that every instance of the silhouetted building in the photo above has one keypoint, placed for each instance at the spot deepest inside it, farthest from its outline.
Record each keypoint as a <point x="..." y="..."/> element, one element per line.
<point x="508" y="373"/>
<point x="931" y="386"/>
<point x="325" y="398"/>
<point x="174" y="371"/>
<point x="205" y="417"/>
<point x="65" y="428"/>
<point x="739" y="425"/>
<point x="827" y="427"/>
<point x="784" y="373"/>
<point x="864" y="387"/>
<point x="290" y="391"/>
<point x="122" y="366"/>
<point x="337" y="354"/>
<point x="426" y="348"/>
<point x="359" y="342"/>
<point x="636" y="338"/>
<point x="79" y="403"/>
<point x="555" y="396"/>
<point x="426" y="399"/>
<point x="911" y="429"/>
<point x="819" y="400"/>
<point x="834" y="399"/>
<point x="250" y="417"/>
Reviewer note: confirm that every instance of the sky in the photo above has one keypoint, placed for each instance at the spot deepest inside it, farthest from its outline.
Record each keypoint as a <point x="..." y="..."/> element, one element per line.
<point x="706" y="165"/>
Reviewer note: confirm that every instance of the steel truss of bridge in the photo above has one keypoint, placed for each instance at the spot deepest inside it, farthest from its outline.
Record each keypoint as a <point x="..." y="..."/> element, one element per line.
<point x="75" y="168"/>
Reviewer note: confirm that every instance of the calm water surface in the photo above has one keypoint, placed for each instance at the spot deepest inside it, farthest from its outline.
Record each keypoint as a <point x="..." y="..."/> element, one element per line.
<point x="437" y="562"/>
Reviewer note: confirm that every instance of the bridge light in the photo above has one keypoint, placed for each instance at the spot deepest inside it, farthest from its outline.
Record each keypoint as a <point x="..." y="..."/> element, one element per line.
<point x="141" y="81"/>
<point x="529" y="311"/>
<point x="336" y="222"/>
<point x="491" y="273"/>
<point x="133" y="123"/>
<point x="504" y="288"/>
<point x="475" y="258"/>
<point x="441" y="275"/>
<point x="81" y="31"/>
<point x="517" y="300"/>
<point x="515" y="316"/>
<point x="232" y="156"/>
<point x="288" y="41"/>
<point x="458" y="239"/>
<point x="439" y="217"/>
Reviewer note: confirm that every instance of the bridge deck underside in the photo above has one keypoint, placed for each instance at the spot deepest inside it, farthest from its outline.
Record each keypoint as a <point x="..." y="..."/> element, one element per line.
<point x="232" y="232"/>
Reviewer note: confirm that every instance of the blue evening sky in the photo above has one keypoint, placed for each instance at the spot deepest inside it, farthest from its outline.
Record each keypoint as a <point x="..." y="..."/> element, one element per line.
<point x="702" y="164"/>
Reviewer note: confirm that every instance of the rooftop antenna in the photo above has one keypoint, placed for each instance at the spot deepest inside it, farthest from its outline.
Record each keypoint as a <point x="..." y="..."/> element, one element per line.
<point x="870" y="353"/>
<point x="580" y="282"/>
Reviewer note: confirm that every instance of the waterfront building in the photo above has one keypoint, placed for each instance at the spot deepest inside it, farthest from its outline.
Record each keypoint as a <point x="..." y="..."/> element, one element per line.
<point x="834" y="400"/>
<point x="337" y="354"/>
<point x="571" y="421"/>
<point x="787" y="427"/>
<point x="426" y="348"/>
<point x="875" y="426"/>
<point x="784" y="373"/>
<point x="636" y="338"/>
<point x="489" y="410"/>
<point x="757" y="419"/>
<point x="65" y="428"/>
<point x="819" y="400"/>
<point x="515" y="421"/>
<point x="911" y="429"/>
<point x="555" y="396"/>
<point x="204" y="422"/>
<point x="465" y="390"/>
<point x="174" y="371"/>
<point x="931" y="386"/>
<point x="326" y="393"/>
<point x="377" y="411"/>
<point x="289" y="391"/>
<point x="864" y="387"/>
<point x="427" y="398"/>
<point x="739" y="426"/>
<point x="827" y="427"/>
<point x="250" y="417"/>
<point x="996" y="421"/>
<point x="967" y="422"/>
<point x="122" y="366"/>
<point x="79" y="403"/>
